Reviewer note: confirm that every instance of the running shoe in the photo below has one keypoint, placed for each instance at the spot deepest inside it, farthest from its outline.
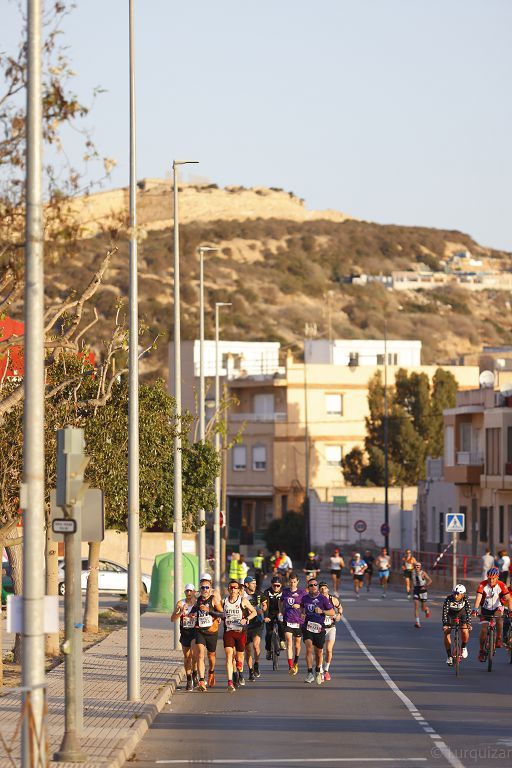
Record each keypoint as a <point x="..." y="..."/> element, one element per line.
<point x="427" y="613"/>
<point x="269" y="655"/>
<point x="310" y="678"/>
<point x="449" y="661"/>
<point x="236" y="682"/>
<point x="464" y="653"/>
<point x="417" y="625"/>
<point x="190" y="685"/>
<point x="256" y="669"/>
<point x="383" y="595"/>
<point x="327" y="676"/>
<point x="481" y="656"/>
<point x="231" y="687"/>
<point x="241" y="679"/>
<point x="290" y="670"/>
<point x="357" y="595"/>
<point x="195" y="679"/>
<point x="282" y="645"/>
<point x="295" y="669"/>
<point x="319" y="678"/>
<point x="409" y="596"/>
<point x="252" y="676"/>
<point x="201" y="686"/>
<point x="211" y="678"/>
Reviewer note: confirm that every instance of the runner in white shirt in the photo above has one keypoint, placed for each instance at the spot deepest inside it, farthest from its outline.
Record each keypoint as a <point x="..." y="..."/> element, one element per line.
<point x="357" y="569"/>
<point x="337" y="565"/>
<point x="383" y="565"/>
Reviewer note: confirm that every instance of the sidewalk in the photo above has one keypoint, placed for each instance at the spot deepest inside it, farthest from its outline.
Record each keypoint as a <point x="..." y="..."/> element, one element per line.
<point x="112" y="725"/>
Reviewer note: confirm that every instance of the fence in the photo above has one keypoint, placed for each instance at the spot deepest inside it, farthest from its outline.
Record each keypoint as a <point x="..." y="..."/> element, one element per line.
<point x="468" y="566"/>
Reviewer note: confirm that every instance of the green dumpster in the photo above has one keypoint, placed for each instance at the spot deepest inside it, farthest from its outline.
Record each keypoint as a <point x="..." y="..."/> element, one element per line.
<point x="161" y="595"/>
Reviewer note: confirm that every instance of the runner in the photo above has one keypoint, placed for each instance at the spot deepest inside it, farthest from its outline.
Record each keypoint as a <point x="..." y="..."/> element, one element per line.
<point x="330" y="627"/>
<point x="273" y="596"/>
<point x="311" y="566"/>
<point x="456" y="605"/>
<point x="255" y="627"/>
<point x="357" y="569"/>
<point x="369" y="560"/>
<point x="408" y="562"/>
<point x="420" y="581"/>
<point x="337" y="565"/>
<point x="292" y="619"/>
<point x="383" y="564"/>
<point x="237" y="614"/>
<point x="258" y="563"/>
<point x="315" y="607"/>
<point x="284" y="568"/>
<point x="184" y="611"/>
<point x="491" y="595"/>
<point x="209" y="613"/>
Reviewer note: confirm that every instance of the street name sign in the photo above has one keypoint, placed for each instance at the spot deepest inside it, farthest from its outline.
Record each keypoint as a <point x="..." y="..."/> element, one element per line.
<point x="455" y="522"/>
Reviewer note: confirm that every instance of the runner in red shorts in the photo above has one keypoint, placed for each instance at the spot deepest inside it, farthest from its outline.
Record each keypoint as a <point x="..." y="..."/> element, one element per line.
<point x="237" y="614"/>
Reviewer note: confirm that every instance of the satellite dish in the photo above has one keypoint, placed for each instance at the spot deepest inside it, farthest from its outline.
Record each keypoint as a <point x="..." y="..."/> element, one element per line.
<point x="486" y="380"/>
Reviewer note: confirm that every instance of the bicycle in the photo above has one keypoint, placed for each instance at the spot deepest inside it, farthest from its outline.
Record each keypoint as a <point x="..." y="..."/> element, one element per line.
<point x="507" y="634"/>
<point x="490" y="642"/>
<point x="456" y="649"/>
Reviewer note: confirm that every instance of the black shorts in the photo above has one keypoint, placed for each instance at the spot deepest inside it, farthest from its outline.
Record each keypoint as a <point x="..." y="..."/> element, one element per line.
<point x="358" y="576"/>
<point x="451" y="620"/>
<point x="187" y="637"/>
<point x="209" y="639"/>
<point x="252" y="632"/>
<point x="420" y="593"/>
<point x="486" y="614"/>
<point x="295" y="631"/>
<point x="335" y="571"/>
<point x="317" y="638"/>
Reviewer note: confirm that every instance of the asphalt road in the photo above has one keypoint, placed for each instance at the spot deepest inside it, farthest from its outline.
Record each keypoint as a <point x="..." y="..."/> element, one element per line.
<point x="391" y="701"/>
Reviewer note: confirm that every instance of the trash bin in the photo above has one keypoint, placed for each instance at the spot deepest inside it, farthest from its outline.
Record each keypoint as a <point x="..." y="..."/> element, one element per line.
<point x="161" y="595"/>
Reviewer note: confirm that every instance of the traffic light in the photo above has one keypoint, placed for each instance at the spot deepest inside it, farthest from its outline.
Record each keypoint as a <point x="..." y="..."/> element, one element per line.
<point x="71" y="465"/>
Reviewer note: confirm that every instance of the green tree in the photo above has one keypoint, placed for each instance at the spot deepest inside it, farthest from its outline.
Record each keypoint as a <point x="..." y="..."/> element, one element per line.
<point x="444" y="393"/>
<point x="287" y="532"/>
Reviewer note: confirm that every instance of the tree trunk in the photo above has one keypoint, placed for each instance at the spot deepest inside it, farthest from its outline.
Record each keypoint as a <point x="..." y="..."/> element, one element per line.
<point x="92" y="595"/>
<point x="15" y="555"/>
<point x="52" y="558"/>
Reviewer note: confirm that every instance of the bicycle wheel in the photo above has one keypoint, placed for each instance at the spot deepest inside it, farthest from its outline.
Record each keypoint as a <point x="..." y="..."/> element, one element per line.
<point x="456" y="650"/>
<point x="275" y="650"/>
<point x="490" y="647"/>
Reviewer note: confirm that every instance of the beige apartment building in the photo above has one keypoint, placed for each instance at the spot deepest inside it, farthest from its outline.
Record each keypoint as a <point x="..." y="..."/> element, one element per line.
<point x="475" y="476"/>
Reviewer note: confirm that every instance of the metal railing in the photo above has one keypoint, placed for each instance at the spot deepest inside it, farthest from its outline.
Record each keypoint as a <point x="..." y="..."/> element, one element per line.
<point x="264" y="417"/>
<point x="470" y="458"/>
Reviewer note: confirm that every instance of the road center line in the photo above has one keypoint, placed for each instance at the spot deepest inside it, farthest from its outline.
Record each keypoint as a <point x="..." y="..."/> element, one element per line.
<point x="293" y="760"/>
<point x="452" y="759"/>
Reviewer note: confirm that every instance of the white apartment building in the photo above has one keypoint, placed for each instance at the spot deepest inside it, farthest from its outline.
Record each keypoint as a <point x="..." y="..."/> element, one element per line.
<point x="363" y="352"/>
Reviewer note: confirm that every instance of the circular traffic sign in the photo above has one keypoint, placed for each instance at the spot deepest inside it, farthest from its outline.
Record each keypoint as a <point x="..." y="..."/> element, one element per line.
<point x="384" y="529"/>
<point x="360" y="526"/>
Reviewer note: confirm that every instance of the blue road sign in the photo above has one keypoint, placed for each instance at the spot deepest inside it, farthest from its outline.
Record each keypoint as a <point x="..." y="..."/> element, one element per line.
<point x="454" y="522"/>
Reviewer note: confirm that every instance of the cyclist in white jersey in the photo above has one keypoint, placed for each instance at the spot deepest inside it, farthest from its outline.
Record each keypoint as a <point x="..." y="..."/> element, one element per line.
<point x="491" y="597"/>
<point x="237" y="614"/>
<point x="330" y="627"/>
<point x="420" y="581"/>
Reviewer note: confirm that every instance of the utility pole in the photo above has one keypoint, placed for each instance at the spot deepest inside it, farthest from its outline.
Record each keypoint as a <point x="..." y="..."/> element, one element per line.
<point x="218" y="500"/>
<point x="32" y="490"/>
<point x="309" y="333"/>
<point x="133" y="655"/>
<point x="386" y="440"/>
<point x="178" y="500"/>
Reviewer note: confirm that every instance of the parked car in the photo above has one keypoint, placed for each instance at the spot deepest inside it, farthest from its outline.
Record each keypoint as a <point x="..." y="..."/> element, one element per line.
<point x="112" y="577"/>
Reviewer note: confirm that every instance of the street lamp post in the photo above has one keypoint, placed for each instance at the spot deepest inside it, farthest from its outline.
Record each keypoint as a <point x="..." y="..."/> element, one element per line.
<point x="178" y="509"/>
<point x="202" y="517"/>
<point x="133" y="655"/>
<point x="386" y="441"/>
<point x="216" y="521"/>
<point x="32" y="490"/>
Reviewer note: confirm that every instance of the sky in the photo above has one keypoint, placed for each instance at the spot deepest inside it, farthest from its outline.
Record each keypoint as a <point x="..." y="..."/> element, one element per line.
<point x="394" y="111"/>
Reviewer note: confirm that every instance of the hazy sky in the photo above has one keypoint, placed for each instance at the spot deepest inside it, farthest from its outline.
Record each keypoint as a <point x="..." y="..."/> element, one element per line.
<point x="396" y="111"/>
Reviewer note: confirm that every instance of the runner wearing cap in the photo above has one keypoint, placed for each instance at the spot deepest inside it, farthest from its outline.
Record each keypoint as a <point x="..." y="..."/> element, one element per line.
<point x="255" y="627"/>
<point x="315" y="607"/>
<point x="357" y="568"/>
<point x="237" y="613"/>
<point x="330" y="627"/>
<point x="420" y="582"/>
<point x="185" y="612"/>
<point x="293" y="621"/>
<point x="209" y="613"/>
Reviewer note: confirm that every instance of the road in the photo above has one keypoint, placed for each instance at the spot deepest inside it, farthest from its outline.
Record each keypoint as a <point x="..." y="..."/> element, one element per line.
<point x="391" y="701"/>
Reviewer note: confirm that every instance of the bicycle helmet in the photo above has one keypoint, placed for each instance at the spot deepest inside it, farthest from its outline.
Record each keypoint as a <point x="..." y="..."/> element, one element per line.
<point x="493" y="571"/>
<point x="311" y="555"/>
<point x="459" y="589"/>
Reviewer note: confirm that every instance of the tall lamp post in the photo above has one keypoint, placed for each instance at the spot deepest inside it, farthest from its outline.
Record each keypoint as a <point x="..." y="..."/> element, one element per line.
<point x="32" y="490"/>
<point x="386" y="441"/>
<point x="133" y="655"/>
<point x="202" y="517"/>
<point x="178" y="501"/>
<point x="216" y="521"/>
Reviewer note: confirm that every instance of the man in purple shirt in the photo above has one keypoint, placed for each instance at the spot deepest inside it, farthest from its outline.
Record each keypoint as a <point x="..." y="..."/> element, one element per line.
<point x="315" y="607"/>
<point x="293" y="621"/>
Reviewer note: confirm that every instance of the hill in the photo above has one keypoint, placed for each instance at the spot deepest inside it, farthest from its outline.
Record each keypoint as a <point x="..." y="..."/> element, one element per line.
<point x="284" y="270"/>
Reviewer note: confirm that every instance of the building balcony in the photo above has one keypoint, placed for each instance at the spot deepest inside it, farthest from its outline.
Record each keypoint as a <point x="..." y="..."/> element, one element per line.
<point x="260" y="417"/>
<point x="467" y="470"/>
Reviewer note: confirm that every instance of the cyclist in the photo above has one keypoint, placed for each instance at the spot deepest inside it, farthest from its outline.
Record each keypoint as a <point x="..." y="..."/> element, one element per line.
<point x="273" y="613"/>
<point x="490" y="594"/>
<point x="456" y="605"/>
<point x="420" y="581"/>
<point x="237" y="614"/>
<point x="311" y="566"/>
<point x="292" y="620"/>
<point x="315" y="607"/>
<point x="408" y="562"/>
<point x="337" y="565"/>
<point x="368" y="574"/>
<point x="254" y="628"/>
<point x="357" y="569"/>
<point x="330" y="627"/>
<point x="184" y="611"/>
<point x="209" y="613"/>
<point x="383" y="564"/>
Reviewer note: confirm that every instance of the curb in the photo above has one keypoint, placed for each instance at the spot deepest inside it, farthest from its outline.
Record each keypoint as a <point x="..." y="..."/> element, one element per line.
<point x="125" y="747"/>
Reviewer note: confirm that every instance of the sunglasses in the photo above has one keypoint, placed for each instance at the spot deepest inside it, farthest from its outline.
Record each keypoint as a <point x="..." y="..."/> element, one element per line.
<point x="313" y="584"/>
<point x="204" y="586"/>
<point x="233" y="586"/>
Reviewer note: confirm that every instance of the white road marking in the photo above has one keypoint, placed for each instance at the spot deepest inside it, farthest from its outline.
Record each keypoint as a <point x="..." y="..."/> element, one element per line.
<point x="452" y="759"/>
<point x="278" y="761"/>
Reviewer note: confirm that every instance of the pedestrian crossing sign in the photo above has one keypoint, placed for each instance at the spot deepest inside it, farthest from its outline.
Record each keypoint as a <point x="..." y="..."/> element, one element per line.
<point x="455" y="522"/>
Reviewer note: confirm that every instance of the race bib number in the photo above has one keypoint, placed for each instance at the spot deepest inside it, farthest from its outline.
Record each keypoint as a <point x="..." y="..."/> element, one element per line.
<point x="292" y="625"/>
<point x="423" y="595"/>
<point x="328" y="621"/>
<point x="313" y="626"/>
<point x="189" y="622"/>
<point x="205" y="621"/>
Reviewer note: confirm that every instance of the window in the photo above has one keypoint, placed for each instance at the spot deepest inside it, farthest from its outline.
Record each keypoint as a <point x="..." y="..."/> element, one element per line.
<point x="239" y="458"/>
<point x="483" y="523"/>
<point x="264" y="404"/>
<point x="465" y="436"/>
<point x="259" y="458"/>
<point x="334" y="404"/>
<point x="333" y="454"/>
<point x="492" y="452"/>
<point x="392" y="359"/>
<point x="353" y="358"/>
